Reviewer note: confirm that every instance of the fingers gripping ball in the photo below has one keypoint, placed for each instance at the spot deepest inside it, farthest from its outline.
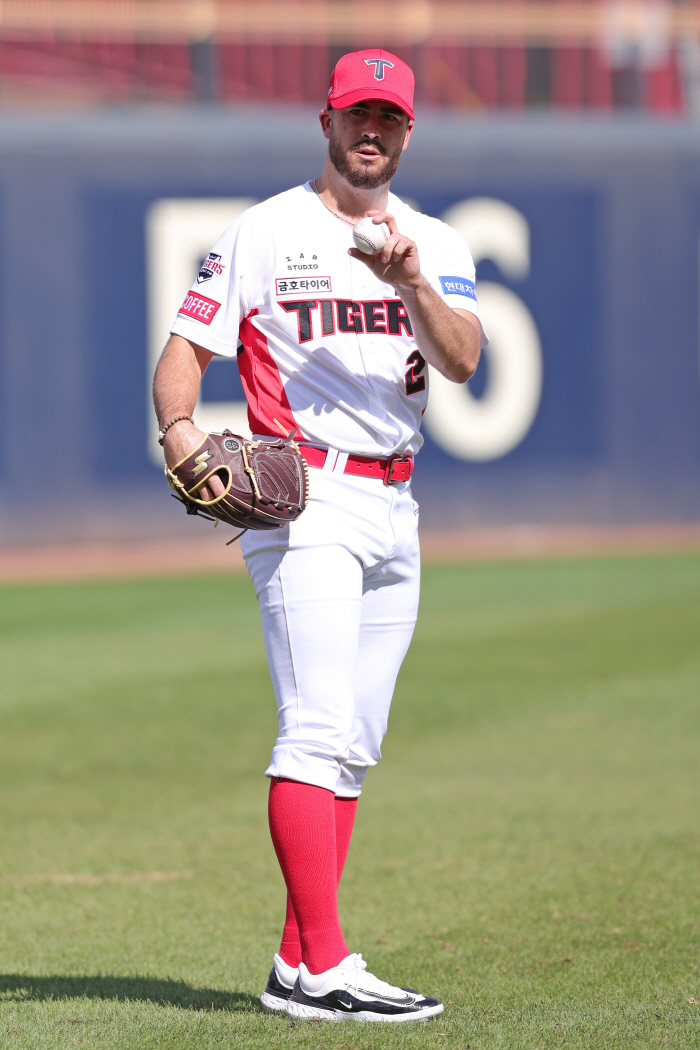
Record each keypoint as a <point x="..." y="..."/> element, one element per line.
<point x="266" y="483"/>
<point x="370" y="237"/>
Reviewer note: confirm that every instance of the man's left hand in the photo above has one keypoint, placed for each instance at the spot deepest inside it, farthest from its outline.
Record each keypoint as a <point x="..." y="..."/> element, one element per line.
<point x="397" y="263"/>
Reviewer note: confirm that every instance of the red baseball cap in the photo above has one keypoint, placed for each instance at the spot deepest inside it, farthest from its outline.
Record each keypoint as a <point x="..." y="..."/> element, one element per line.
<point x="372" y="74"/>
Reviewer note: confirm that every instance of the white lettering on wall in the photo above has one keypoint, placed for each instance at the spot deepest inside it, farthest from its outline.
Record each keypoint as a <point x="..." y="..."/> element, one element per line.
<point x="489" y="427"/>
<point x="179" y="234"/>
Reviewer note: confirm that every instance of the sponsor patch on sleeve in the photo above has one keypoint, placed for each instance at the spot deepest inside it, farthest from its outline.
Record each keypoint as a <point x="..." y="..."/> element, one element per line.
<point x="211" y="267"/>
<point x="285" y="286"/>
<point x="199" y="308"/>
<point x="458" y="286"/>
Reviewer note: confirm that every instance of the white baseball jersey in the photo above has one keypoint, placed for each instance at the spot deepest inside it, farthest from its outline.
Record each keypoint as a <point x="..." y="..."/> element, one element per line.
<point x="324" y="347"/>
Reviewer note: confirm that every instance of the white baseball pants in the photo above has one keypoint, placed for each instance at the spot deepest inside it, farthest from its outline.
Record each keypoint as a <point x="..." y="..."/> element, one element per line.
<point x="338" y="592"/>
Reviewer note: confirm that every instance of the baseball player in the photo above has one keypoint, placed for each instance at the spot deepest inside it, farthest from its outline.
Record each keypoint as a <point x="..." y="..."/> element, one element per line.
<point x="332" y="345"/>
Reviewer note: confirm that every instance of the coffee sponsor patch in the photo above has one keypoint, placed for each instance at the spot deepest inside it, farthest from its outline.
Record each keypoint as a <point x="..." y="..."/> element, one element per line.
<point x="199" y="308"/>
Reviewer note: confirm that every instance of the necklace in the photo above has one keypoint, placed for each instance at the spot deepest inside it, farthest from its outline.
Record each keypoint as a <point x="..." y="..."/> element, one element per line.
<point x="346" y="221"/>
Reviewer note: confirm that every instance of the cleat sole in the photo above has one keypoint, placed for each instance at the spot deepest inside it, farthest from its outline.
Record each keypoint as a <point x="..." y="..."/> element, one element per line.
<point x="273" y="1002"/>
<point x="417" y="1015"/>
<point x="302" y="1012"/>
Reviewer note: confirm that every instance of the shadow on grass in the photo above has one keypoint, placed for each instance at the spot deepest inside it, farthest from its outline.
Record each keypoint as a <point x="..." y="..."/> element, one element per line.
<point x="18" y="987"/>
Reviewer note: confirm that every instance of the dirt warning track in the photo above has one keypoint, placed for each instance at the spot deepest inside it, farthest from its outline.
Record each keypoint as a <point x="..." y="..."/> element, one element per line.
<point x="83" y="561"/>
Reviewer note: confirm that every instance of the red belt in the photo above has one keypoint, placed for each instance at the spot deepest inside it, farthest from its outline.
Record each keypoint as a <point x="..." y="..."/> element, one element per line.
<point x="391" y="470"/>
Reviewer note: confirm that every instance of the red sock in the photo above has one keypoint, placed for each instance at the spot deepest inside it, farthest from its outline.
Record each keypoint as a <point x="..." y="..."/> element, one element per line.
<point x="290" y="948"/>
<point x="302" y="824"/>
<point x="344" y="809"/>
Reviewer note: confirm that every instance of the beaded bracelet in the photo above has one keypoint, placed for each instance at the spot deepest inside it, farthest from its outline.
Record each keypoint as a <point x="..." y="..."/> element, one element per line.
<point x="164" y="430"/>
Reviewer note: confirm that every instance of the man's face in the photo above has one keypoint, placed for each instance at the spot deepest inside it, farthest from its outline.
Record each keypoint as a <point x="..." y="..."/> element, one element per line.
<point x="365" y="141"/>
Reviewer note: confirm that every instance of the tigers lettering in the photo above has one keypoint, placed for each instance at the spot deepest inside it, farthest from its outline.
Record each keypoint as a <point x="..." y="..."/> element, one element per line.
<point x="374" y="317"/>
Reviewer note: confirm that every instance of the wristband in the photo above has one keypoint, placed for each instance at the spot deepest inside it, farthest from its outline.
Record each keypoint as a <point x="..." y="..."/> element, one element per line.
<point x="164" y="430"/>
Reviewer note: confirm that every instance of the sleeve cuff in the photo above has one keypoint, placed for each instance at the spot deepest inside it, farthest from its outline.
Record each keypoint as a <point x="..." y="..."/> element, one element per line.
<point x="461" y="302"/>
<point x="197" y="333"/>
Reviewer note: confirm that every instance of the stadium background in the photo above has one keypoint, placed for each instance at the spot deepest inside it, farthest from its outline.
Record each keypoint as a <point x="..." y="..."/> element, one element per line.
<point x="567" y="155"/>
<point x="535" y="811"/>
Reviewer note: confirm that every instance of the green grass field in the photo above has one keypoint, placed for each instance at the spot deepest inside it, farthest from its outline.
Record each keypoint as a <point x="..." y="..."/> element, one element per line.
<point x="527" y="850"/>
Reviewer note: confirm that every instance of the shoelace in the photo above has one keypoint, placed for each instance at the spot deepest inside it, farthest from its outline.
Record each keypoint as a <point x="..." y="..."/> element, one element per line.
<point x="360" y="965"/>
<point x="381" y="987"/>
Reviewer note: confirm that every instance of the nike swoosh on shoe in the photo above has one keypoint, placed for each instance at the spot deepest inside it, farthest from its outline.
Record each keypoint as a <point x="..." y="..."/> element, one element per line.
<point x="355" y="998"/>
<point x="408" y="1000"/>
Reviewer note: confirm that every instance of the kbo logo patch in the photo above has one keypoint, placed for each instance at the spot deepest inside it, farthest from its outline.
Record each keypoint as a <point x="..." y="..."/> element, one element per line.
<point x="211" y="266"/>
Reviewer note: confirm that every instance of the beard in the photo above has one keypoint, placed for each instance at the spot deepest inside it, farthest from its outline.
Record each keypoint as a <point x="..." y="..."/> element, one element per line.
<point x="364" y="177"/>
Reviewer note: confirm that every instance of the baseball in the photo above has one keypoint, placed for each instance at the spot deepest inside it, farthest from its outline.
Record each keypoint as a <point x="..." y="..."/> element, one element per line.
<point x="370" y="237"/>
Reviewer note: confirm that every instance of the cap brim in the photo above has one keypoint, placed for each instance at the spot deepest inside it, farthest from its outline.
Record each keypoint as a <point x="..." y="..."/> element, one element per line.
<point x="370" y="95"/>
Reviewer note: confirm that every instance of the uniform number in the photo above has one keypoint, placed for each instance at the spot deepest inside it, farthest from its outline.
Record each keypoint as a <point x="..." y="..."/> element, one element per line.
<point x="415" y="382"/>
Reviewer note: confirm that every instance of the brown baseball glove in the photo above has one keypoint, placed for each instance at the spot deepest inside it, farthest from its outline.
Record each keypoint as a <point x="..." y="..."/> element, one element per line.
<point x="266" y="482"/>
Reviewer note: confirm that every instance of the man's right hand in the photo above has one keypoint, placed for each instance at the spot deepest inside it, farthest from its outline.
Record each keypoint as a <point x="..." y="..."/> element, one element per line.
<point x="179" y="441"/>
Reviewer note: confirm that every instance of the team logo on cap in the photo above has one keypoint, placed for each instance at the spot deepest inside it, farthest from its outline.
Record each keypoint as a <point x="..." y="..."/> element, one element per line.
<point x="379" y="66"/>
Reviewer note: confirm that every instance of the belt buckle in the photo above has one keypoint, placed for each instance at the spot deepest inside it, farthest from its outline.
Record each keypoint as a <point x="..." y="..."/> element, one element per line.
<point x="389" y="479"/>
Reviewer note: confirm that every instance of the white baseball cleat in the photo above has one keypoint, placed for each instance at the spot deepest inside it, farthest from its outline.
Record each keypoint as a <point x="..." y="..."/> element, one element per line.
<point x="348" y="991"/>
<point x="279" y="985"/>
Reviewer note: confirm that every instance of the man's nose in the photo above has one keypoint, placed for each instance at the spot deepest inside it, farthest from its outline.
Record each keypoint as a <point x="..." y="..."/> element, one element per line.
<point x="372" y="125"/>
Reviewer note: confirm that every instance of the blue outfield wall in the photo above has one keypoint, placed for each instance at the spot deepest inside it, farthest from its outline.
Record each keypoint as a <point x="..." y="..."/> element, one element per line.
<point x="586" y="408"/>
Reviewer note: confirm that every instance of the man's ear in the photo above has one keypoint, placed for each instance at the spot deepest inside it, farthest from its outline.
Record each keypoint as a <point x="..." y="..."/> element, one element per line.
<point x="409" y="132"/>
<point x="325" y="118"/>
